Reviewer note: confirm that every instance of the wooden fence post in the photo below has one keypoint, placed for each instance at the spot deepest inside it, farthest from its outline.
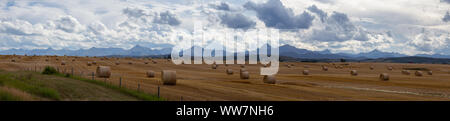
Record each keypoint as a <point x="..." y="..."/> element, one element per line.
<point x="139" y="86"/>
<point x="158" y="91"/>
<point x="93" y="76"/>
<point x="120" y="82"/>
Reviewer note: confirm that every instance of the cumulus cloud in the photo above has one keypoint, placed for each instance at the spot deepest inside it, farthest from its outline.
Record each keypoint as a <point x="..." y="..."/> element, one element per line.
<point x="336" y="27"/>
<point x="167" y="18"/>
<point x="319" y="12"/>
<point x="237" y="21"/>
<point x="16" y="27"/>
<point x="446" y="17"/>
<point x="146" y="15"/>
<point x="68" y="24"/>
<point x="446" y="1"/>
<point x="221" y="6"/>
<point x="274" y="14"/>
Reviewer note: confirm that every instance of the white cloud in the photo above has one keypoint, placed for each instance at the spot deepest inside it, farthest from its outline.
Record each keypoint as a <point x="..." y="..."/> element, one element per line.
<point x="344" y="26"/>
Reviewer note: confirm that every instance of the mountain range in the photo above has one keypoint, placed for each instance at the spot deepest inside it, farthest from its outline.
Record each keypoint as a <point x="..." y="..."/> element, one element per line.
<point x="138" y="50"/>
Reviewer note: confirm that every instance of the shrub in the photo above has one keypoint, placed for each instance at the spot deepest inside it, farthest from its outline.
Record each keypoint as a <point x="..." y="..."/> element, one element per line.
<point x="49" y="70"/>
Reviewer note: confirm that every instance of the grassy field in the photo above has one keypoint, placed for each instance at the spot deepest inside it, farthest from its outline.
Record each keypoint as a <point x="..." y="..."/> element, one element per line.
<point x="25" y="85"/>
<point x="201" y="83"/>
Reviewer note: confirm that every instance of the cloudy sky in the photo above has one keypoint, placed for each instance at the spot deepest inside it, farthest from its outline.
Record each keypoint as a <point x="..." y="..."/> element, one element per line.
<point x="350" y="26"/>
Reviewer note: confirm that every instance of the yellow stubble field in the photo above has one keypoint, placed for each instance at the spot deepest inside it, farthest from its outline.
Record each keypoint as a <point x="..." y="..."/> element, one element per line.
<point x="202" y="83"/>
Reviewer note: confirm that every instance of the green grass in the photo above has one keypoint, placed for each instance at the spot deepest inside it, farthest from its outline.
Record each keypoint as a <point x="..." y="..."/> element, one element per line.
<point x="49" y="70"/>
<point x="5" y="96"/>
<point x="57" y="86"/>
<point x="137" y="94"/>
<point x="29" y="84"/>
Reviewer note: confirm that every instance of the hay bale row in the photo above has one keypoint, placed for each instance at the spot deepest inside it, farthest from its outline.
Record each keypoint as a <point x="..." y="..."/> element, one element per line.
<point x="418" y="73"/>
<point x="229" y="71"/>
<point x="406" y="72"/>
<point x="384" y="77"/>
<point x="324" y="68"/>
<point x="390" y="68"/>
<point x="244" y="74"/>
<point x="103" y="71"/>
<point x="168" y="77"/>
<point x="269" y="79"/>
<point x="354" y="73"/>
<point x="150" y="74"/>
<point x="305" y="72"/>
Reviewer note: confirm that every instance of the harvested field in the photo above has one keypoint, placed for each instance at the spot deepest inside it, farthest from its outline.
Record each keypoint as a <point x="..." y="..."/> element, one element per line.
<point x="200" y="82"/>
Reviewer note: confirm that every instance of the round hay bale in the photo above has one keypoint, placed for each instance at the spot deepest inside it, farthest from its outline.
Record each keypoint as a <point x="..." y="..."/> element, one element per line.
<point x="305" y="72"/>
<point x="418" y="73"/>
<point x="269" y="79"/>
<point x="89" y="63"/>
<point x="130" y="63"/>
<point x="46" y="59"/>
<point x="150" y="74"/>
<point x="354" y="73"/>
<point x="390" y="68"/>
<point x="73" y="59"/>
<point x="214" y="66"/>
<point x="154" y="62"/>
<point x="57" y="59"/>
<point x="229" y="71"/>
<point x="242" y="70"/>
<point x="168" y="77"/>
<point x="288" y="66"/>
<point x="13" y="60"/>
<point x="117" y="63"/>
<point x="244" y="75"/>
<point x="430" y="72"/>
<point x="103" y="71"/>
<point x="145" y="62"/>
<point x="405" y="72"/>
<point x="94" y="62"/>
<point x="324" y="68"/>
<point x="242" y="66"/>
<point x="371" y="67"/>
<point x="63" y="63"/>
<point x="384" y="77"/>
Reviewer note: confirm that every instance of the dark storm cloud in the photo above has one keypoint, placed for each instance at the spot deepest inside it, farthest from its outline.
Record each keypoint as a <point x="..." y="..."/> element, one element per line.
<point x="160" y="18"/>
<point x="338" y="27"/>
<point x="237" y="21"/>
<point x="167" y="18"/>
<point x="319" y="12"/>
<point x="275" y="15"/>
<point x="446" y="1"/>
<point x="222" y="6"/>
<point x="446" y="17"/>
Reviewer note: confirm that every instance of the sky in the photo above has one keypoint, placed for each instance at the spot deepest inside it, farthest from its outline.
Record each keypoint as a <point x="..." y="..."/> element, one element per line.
<point x="341" y="26"/>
